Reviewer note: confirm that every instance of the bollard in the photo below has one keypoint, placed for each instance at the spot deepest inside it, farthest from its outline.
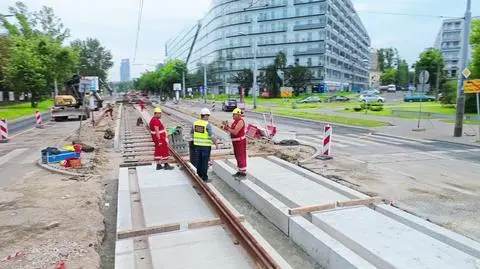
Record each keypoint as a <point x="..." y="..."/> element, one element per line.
<point x="326" y="143"/>
<point x="3" y="131"/>
<point x="38" y="119"/>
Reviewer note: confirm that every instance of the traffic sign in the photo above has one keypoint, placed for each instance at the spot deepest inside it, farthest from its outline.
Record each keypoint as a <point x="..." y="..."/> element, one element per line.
<point x="466" y="73"/>
<point x="423" y="77"/>
<point x="471" y="86"/>
<point x="177" y="86"/>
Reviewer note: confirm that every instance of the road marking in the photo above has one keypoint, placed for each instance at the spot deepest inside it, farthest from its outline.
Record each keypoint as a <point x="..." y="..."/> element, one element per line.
<point x="12" y="154"/>
<point x="365" y="139"/>
<point x="319" y="139"/>
<point x="406" y="138"/>
<point x="393" y="140"/>
<point x="474" y="150"/>
<point x="347" y="140"/>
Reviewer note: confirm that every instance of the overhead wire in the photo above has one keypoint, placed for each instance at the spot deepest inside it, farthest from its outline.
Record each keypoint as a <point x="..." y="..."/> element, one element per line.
<point x="139" y="22"/>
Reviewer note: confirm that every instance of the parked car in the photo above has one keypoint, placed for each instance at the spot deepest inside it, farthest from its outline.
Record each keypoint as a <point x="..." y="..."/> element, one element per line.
<point x="229" y="105"/>
<point x="336" y="98"/>
<point x="392" y="88"/>
<point x="371" y="98"/>
<point x="373" y="91"/>
<point x="418" y="98"/>
<point x="310" y="99"/>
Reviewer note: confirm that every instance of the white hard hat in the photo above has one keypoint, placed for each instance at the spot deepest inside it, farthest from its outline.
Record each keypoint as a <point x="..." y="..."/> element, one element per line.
<point x="205" y="111"/>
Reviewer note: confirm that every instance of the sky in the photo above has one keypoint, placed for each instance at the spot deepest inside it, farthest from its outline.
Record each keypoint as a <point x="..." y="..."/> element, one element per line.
<point x="114" y="23"/>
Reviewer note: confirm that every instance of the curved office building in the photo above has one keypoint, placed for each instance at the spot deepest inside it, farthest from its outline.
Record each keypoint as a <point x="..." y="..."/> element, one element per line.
<point x="327" y="36"/>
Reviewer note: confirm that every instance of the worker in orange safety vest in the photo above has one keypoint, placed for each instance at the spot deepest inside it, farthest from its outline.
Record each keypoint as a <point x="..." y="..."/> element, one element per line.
<point x="239" y="141"/>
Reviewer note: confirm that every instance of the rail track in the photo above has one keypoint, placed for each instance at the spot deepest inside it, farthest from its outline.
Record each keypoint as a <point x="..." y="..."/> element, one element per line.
<point x="158" y="209"/>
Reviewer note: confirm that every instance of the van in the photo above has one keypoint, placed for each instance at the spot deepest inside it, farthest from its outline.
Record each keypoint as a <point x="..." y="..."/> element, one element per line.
<point x="392" y="88"/>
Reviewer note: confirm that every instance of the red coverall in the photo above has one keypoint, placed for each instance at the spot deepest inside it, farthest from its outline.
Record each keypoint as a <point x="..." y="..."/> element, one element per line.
<point x="239" y="143"/>
<point x="161" y="151"/>
<point x="142" y="105"/>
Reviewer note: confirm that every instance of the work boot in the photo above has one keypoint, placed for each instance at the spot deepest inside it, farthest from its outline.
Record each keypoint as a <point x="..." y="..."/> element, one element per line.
<point x="237" y="174"/>
<point x="159" y="166"/>
<point x="168" y="167"/>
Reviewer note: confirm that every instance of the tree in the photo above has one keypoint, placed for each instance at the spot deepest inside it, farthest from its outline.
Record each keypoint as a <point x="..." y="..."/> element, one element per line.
<point x="389" y="76"/>
<point x="298" y="77"/>
<point x="403" y="74"/>
<point x="6" y="57"/>
<point x="386" y="58"/>
<point x="271" y="79"/>
<point x="94" y="59"/>
<point x="161" y="81"/>
<point x="49" y="24"/>
<point x="449" y="91"/>
<point x="431" y="60"/>
<point x="475" y="43"/>
<point x="244" y="78"/>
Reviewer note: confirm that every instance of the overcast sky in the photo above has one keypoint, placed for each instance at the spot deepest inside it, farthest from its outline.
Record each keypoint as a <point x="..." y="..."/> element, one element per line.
<point x="114" y="23"/>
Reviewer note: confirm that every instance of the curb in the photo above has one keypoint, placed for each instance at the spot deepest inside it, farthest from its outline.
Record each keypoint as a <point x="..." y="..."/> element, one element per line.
<point x="55" y="170"/>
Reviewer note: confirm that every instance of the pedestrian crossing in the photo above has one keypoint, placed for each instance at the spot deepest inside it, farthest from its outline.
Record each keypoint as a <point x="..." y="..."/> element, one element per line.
<point x="367" y="140"/>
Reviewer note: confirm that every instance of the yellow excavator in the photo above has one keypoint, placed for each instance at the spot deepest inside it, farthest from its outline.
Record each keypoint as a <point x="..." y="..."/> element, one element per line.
<point x="70" y="103"/>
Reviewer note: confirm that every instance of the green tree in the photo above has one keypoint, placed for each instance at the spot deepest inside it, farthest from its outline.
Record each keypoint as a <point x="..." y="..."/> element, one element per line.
<point x="5" y="59"/>
<point x="389" y="76"/>
<point x="271" y="79"/>
<point x="244" y="78"/>
<point x="449" y="92"/>
<point x="403" y="74"/>
<point x="48" y="24"/>
<point x="386" y="58"/>
<point x="298" y="77"/>
<point x="475" y="43"/>
<point x="94" y="59"/>
<point x="431" y="60"/>
<point x="161" y="81"/>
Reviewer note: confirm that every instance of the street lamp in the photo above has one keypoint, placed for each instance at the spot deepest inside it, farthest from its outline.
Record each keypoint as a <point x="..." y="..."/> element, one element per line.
<point x="254" y="70"/>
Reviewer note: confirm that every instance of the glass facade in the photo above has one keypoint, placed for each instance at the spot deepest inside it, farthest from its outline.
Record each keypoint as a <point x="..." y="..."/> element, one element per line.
<point x="325" y="35"/>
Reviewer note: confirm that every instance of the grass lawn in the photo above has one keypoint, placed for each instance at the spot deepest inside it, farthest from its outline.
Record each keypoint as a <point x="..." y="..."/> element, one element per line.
<point x="326" y="118"/>
<point x="15" y="111"/>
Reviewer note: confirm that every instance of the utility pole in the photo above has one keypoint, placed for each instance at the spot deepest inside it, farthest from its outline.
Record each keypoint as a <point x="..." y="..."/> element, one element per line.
<point x="458" y="130"/>
<point x="183" y="84"/>
<point x="205" y="83"/>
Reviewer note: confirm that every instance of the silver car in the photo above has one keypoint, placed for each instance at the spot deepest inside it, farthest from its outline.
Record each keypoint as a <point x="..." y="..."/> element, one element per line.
<point x="371" y="98"/>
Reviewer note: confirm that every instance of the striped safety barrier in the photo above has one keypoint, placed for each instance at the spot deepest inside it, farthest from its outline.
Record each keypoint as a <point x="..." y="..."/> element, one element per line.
<point x="3" y="130"/>
<point x="327" y="140"/>
<point x="38" y="119"/>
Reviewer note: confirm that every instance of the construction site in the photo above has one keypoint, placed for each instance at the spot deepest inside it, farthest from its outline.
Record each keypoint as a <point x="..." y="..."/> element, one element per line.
<point x="113" y="209"/>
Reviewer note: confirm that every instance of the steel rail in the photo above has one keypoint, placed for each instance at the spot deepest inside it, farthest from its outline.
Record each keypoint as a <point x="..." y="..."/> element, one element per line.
<point x="251" y="245"/>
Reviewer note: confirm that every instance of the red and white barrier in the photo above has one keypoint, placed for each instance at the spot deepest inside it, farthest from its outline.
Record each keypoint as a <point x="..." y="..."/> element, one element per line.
<point x="327" y="140"/>
<point x="3" y="130"/>
<point x="38" y="119"/>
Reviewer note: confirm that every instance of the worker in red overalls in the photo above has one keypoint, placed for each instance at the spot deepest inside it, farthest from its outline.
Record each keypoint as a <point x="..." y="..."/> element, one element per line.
<point x="239" y="142"/>
<point x="142" y="105"/>
<point x="159" y="137"/>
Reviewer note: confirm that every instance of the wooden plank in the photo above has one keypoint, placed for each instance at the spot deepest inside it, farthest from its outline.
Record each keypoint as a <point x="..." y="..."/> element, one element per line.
<point x="148" y="231"/>
<point x="356" y="202"/>
<point x="298" y="211"/>
<point x="204" y="223"/>
<point x="322" y="207"/>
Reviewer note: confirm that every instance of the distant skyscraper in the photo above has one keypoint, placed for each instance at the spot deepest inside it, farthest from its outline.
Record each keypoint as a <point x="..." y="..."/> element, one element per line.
<point x="125" y="70"/>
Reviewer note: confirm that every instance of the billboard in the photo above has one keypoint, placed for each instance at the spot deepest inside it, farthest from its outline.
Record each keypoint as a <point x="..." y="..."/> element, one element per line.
<point x="286" y="92"/>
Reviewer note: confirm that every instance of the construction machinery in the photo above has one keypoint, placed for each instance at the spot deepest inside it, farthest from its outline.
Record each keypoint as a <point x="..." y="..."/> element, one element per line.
<point x="75" y="102"/>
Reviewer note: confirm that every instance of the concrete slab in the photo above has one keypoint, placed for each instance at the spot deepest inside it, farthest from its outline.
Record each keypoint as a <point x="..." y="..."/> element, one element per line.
<point x="289" y="187"/>
<point x="124" y="256"/>
<point x="327" y="251"/>
<point x="273" y="209"/>
<point x="387" y="243"/>
<point x="168" y="197"/>
<point x="124" y="209"/>
<point x="209" y="247"/>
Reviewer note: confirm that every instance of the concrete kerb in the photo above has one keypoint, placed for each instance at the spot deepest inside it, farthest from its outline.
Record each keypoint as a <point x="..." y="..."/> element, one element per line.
<point x="268" y="205"/>
<point x="116" y="139"/>
<point x="55" y="170"/>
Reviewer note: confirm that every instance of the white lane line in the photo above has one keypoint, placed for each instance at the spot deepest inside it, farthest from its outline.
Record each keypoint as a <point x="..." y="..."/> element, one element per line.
<point x="474" y="150"/>
<point x="420" y="140"/>
<point x="319" y="139"/>
<point x="394" y="140"/>
<point x="12" y="154"/>
<point x="347" y="140"/>
<point x="365" y="139"/>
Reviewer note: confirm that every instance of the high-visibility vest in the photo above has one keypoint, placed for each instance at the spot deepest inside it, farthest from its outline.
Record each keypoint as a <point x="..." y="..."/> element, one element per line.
<point x="200" y="135"/>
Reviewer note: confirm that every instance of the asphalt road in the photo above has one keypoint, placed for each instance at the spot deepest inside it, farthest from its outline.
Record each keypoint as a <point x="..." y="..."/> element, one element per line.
<point x="17" y="126"/>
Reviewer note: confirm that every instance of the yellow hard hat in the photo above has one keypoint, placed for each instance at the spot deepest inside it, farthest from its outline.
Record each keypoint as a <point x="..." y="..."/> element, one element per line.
<point x="237" y="111"/>
<point x="157" y="110"/>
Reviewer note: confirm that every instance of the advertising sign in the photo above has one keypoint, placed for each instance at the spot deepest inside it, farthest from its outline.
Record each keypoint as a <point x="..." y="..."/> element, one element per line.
<point x="286" y="92"/>
<point x="11" y="96"/>
<point x="177" y="87"/>
<point x="471" y="86"/>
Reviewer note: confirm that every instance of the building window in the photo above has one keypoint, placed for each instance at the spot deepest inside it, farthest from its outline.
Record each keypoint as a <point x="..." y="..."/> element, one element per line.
<point x="285" y="12"/>
<point x="309" y="62"/>
<point x="309" y="38"/>
<point x="297" y="11"/>
<point x="284" y="38"/>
